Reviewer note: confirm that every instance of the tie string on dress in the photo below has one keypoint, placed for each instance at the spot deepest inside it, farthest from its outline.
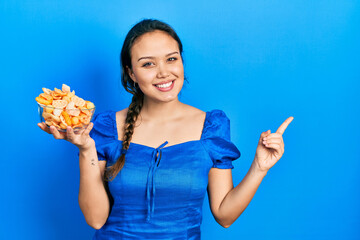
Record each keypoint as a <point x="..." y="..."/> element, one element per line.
<point x="150" y="185"/>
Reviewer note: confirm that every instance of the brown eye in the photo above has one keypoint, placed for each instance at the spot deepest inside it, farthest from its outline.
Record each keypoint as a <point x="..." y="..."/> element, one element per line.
<point x="172" y="59"/>
<point x="147" y="64"/>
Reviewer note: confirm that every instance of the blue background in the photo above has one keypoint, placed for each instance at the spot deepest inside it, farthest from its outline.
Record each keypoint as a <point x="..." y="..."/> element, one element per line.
<point x="259" y="61"/>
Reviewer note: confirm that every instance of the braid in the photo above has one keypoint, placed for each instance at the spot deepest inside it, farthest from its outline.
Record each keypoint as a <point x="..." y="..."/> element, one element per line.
<point x="131" y="117"/>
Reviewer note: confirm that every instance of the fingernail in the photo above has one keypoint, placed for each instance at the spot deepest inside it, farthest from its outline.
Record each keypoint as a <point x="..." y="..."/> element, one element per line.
<point x="264" y="138"/>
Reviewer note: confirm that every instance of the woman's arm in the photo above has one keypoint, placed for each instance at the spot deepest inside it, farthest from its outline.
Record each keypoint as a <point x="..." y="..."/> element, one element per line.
<point x="226" y="202"/>
<point x="93" y="199"/>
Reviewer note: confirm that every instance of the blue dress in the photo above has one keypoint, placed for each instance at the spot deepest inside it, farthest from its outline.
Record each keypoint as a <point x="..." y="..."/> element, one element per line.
<point x="159" y="192"/>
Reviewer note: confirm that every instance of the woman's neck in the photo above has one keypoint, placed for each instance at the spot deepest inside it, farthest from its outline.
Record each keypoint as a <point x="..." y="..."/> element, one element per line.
<point x="161" y="111"/>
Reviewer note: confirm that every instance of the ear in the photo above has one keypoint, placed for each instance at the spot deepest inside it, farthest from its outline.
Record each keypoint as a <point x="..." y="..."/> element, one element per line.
<point x="131" y="73"/>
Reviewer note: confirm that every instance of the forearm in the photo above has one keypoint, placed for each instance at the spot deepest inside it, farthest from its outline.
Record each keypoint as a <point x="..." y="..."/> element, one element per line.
<point x="93" y="199"/>
<point x="236" y="201"/>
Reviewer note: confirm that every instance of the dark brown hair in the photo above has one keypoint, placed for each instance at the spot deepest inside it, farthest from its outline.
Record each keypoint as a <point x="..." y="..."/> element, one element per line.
<point x="142" y="27"/>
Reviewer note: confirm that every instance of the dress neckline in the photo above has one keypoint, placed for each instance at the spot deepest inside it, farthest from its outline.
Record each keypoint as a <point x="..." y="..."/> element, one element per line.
<point x="153" y="148"/>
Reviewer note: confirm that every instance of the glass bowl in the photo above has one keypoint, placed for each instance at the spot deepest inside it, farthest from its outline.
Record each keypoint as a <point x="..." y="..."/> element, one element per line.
<point x="76" y="118"/>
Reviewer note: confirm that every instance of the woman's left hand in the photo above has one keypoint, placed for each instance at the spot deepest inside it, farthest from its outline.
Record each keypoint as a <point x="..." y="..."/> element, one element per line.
<point x="270" y="147"/>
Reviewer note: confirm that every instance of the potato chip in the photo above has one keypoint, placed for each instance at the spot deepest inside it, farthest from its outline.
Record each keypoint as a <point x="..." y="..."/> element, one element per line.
<point x="48" y="122"/>
<point x="46" y="116"/>
<point x="51" y="117"/>
<point x="66" y="117"/>
<point x="48" y="109"/>
<point x="71" y="94"/>
<point x="75" y="121"/>
<point x="59" y="103"/>
<point x="72" y="110"/>
<point x="79" y="102"/>
<point x="62" y="119"/>
<point x="57" y="111"/>
<point x="56" y="125"/>
<point x="85" y="119"/>
<point x="59" y="92"/>
<point x="42" y="101"/>
<point x="66" y="98"/>
<point x="55" y="119"/>
<point x="46" y="90"/>
<point x="46" y="96"/>
<point x="89" y="105"/>
<point x="55" y="96"/>
<point x="65" y="88"/>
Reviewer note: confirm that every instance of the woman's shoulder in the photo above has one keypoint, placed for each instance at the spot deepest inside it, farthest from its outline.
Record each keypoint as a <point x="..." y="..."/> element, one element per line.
<point x="194" y="113"/>
<point x="210" y="118"/>
<point x="121" y="115"/>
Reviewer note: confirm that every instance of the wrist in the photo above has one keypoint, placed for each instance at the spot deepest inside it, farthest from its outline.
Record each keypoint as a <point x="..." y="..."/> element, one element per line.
<point x="257" y="169"/>
<point x="88" y="146"/>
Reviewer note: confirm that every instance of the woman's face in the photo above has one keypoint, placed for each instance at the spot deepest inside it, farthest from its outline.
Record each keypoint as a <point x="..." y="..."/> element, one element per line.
<point x="157" y="66"/>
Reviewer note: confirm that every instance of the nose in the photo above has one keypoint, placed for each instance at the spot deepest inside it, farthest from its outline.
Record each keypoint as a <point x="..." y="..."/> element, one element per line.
<point x="163" y="71"/>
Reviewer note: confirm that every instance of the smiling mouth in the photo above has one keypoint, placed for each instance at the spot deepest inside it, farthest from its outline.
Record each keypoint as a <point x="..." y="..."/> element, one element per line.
<point x="164" y="85"/>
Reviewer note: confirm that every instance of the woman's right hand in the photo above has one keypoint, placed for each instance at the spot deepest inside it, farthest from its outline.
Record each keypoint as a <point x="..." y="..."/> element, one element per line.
<point x="80" y="139"/>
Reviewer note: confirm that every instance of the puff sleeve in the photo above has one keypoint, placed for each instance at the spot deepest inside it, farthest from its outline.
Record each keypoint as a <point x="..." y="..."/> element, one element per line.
<point x="216" y="140"/>
<point x="103" y="134"/>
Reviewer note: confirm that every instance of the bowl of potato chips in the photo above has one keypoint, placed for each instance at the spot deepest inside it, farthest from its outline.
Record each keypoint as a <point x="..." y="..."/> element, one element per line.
<point x="62" y="108"/>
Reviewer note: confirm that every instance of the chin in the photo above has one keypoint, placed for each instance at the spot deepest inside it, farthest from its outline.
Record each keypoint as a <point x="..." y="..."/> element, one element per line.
<point x="164" y="97"/>
<point x="168" y="99"/>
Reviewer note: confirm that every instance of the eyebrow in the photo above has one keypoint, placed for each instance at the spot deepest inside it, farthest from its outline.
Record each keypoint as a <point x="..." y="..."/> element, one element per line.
<point x="153" y="57"/>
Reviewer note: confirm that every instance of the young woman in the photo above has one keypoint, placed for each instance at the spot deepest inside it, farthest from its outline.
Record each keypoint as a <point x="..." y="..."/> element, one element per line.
<point x="144" y="171"/>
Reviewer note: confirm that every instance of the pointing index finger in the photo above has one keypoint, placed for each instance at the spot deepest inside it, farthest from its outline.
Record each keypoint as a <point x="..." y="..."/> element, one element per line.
<point x="284" y="125"/>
